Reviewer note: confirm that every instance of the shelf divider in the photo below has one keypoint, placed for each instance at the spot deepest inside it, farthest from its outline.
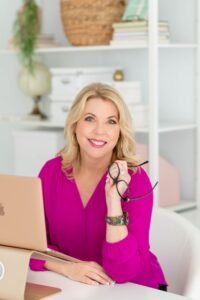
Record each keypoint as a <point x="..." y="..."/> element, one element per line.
<point x="153" y="95"/>
<point x="198" y="105"/>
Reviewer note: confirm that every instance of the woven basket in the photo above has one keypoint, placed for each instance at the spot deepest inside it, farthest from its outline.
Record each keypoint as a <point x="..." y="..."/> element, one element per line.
<point x="89" y="22"/>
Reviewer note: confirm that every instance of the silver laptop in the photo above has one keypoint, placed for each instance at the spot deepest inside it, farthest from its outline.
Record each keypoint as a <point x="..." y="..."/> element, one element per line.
<point x="22" y="220"/>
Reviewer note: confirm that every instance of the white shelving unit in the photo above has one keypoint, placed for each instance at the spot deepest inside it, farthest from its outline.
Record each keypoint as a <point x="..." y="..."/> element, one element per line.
<point x="179" y="62"/>
<point x="104" y="48"/>
<point x="168" y="125"/>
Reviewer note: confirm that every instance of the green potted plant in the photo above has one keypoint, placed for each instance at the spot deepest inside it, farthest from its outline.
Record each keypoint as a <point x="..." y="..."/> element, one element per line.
<point x="34" y="78"/>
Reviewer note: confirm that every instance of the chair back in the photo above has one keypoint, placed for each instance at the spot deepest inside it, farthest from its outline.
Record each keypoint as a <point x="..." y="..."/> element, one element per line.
<point x="176" y="243"/>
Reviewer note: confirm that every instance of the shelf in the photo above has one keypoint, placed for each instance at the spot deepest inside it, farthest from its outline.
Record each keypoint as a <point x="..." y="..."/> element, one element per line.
<point x="183" y="206"/>
<point x="178" y="46"/>
<point x="44" y="123"/>
<point x="80" y="49"/>
<point x="103" y="48"/>
<point x="18" y="120"/>
<point x="176" y="127"/>
<point x="23" y="121"/>
<point x="169" y="127"/>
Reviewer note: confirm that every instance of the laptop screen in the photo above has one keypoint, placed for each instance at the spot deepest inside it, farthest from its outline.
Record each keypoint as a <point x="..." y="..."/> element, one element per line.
<point x="22" y="221"/>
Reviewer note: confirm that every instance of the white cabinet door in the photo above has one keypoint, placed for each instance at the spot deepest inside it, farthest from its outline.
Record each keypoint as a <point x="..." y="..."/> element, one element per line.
<point x="32" y="148"/>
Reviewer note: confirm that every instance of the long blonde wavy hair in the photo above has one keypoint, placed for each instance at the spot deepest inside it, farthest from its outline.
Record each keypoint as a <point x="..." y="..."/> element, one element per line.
<point x="125" y="147"/>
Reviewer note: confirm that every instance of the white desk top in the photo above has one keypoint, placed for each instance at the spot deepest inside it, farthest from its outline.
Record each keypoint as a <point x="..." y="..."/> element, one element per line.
<point x="77" y="291"/>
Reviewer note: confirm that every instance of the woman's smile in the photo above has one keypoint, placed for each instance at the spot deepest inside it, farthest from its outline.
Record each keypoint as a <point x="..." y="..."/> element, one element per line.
<point x="97" y="143"/>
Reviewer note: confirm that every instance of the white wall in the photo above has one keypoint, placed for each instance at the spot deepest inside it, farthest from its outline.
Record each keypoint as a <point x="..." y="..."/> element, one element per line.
<point x="12" y="100"/>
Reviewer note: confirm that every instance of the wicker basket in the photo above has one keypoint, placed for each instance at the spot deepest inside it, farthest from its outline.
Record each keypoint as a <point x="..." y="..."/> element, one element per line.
<point x="89" y="22"/>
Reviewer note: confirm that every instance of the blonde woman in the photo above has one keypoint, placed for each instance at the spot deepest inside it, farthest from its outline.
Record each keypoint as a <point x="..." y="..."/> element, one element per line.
<point x="97" y="198"/>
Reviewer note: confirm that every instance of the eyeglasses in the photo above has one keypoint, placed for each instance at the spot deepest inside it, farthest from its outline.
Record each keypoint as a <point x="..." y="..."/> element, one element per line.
<point x="114" y="172"/>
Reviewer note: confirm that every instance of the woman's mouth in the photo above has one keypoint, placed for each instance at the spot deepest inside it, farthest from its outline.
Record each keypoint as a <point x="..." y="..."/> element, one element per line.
<point x="97" y="143"/>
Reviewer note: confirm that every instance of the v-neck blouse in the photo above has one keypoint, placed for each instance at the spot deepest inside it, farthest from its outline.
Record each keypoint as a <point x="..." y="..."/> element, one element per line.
<point x="92" y="195"/>
<point x="81" y="231"/>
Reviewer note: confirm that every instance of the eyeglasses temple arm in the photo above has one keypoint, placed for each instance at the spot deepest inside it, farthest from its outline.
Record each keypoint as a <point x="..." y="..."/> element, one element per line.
<point x="127" y="199"/>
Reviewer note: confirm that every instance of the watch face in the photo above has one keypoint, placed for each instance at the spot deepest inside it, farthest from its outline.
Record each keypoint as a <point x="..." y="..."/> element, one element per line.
<point x="2" y="271"/>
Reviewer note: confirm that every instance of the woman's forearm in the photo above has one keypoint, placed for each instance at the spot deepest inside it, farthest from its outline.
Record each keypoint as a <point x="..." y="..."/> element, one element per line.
<point x="83" y="271"/>
<point x="58" y="267"/>
<point x="115" y="233"/>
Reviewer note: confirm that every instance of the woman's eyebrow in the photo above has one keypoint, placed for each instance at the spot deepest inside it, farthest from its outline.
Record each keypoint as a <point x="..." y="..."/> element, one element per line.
<point x="89" y="114"/>
<point x="114" y="116"/>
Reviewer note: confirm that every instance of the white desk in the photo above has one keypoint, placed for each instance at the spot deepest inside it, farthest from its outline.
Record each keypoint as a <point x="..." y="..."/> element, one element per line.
<point x="76" y="291"/>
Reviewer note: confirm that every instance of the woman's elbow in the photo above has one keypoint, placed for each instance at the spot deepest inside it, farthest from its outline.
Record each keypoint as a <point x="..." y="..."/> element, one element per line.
<point x="123" y="273"/>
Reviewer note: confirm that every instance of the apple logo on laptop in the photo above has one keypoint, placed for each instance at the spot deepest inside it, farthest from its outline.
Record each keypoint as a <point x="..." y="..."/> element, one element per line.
<point x="2" y="212"/>
<point x="2" y="271"/>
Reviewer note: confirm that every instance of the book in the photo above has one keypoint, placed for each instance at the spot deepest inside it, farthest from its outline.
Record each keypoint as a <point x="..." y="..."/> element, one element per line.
<point x="139" y="29"/>
<point x="136" y="34"/>
<point x="46" y="41"/>
<point x="135" y="42"/>
<point x="136" y="9"/>
<point x="137" y="23"/>
<point x="45" y="37"/>
<point x="47" y="45"/>
<point x="43" y="41"/>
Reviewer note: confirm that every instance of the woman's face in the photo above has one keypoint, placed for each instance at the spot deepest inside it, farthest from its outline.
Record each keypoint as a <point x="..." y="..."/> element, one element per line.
<point x="98" y="130"/>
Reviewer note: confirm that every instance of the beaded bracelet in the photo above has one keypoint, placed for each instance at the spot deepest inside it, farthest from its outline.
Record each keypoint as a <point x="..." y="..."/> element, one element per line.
<point x="119" y="220"/>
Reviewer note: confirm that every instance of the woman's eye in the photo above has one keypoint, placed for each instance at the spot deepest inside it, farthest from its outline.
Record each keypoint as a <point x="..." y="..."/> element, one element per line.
<point x="112" y="122"/>
<point x="89" y="119"/>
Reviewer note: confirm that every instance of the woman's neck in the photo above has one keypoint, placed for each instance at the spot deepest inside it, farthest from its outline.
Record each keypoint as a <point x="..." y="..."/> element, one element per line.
<point x="88" y="166"/>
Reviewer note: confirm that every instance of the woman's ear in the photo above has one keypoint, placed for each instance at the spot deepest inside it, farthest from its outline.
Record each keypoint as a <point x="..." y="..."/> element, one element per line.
<point x="74" y="138"/>
<point x="74" y="128"/>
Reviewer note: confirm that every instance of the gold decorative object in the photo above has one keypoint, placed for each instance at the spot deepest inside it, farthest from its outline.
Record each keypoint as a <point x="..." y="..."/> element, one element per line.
<point x="36" y="112"/>
<point x="118" y="75"/>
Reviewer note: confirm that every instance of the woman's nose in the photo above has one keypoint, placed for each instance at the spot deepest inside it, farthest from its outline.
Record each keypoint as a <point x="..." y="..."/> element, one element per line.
<point x="100" y="128"/>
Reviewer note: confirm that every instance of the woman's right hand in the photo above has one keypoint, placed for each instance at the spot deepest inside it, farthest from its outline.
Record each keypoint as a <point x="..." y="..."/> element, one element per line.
<point x="87" y="272"/>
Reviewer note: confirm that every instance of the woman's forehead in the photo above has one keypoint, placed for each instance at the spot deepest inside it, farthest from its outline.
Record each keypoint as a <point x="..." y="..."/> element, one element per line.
<point x="98" y="104"/>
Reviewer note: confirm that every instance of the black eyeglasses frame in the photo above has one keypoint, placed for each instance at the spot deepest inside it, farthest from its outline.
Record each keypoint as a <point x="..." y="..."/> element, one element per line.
<point x="116" y="181"/>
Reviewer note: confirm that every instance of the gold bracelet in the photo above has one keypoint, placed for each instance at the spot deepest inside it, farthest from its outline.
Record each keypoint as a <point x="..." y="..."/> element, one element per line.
<point x="118" y="220"/>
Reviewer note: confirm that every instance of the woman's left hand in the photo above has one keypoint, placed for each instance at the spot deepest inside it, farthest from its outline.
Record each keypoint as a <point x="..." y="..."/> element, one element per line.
<point x="112" y="195"/>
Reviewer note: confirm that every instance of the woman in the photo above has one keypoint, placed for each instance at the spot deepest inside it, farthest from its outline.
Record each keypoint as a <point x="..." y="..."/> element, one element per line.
<point x="84" y="191"/>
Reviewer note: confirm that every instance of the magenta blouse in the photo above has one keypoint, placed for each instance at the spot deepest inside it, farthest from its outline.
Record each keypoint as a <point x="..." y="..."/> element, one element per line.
<point x="80" y="231"/>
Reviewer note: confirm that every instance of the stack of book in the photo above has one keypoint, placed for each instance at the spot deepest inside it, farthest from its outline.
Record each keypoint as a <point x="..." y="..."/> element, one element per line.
<point x="43" y="41"/>
<point x="136" y="32"/>
<point x="46" y="41"/>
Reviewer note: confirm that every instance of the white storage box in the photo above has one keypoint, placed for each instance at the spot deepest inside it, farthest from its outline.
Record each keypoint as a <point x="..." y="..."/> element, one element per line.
<point x="140" y="115"/>
<point x="57" y="111"/>
<point x="90" y="75"/>
<point x="64" y="86"/>
<point x="129" y="90"/>
<point x="32" y="148"/>
<point x="66" y="82"/>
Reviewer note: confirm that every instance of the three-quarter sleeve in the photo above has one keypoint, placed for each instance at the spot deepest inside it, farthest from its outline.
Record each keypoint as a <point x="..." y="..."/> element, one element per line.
<point x="128" y="258"/>
<point x="37" y="265"/>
